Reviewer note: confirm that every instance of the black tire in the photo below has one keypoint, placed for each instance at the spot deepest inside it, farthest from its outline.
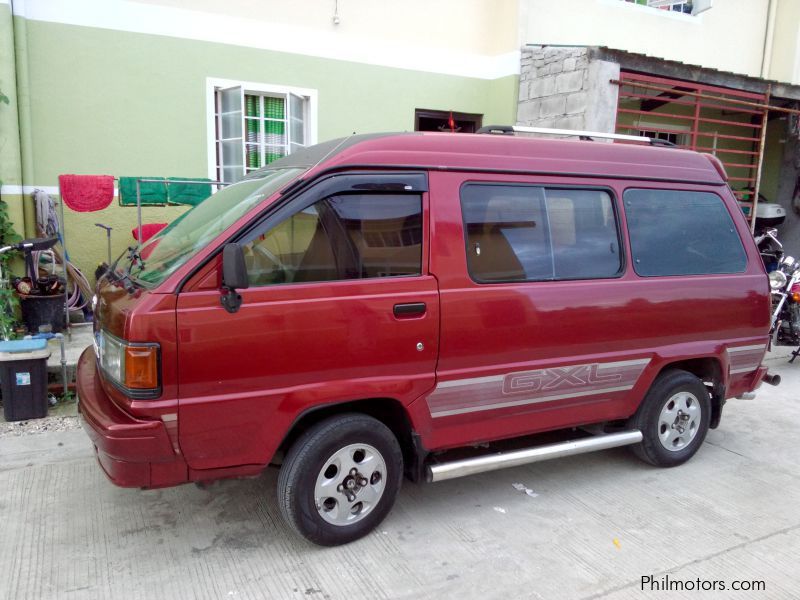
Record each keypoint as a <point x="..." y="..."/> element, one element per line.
<point x="304" y="463"/>
<point x="648" y="420"/>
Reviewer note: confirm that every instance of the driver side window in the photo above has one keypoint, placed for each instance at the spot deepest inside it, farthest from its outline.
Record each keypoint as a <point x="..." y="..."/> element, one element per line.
<point x="349" y="236"/>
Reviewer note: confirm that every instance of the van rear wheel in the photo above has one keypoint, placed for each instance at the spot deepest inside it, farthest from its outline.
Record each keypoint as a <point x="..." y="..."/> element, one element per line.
<point x="340" y="479"/>
<point x="673" y="418"/>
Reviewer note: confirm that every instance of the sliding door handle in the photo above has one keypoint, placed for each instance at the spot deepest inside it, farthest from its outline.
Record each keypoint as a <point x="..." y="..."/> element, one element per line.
<point x="411" y="309"/>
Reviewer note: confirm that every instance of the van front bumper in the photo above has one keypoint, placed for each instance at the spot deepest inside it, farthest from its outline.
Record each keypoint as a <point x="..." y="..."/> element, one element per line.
<point x="132" y="452"/>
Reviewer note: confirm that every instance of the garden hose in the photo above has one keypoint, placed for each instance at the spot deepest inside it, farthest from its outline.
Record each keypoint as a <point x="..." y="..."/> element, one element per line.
<point x="47" y="225"/>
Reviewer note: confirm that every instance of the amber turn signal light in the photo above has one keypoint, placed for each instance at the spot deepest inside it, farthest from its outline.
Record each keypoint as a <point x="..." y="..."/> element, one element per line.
<point x="141" y="367"/>
<point x="796" y="296"/>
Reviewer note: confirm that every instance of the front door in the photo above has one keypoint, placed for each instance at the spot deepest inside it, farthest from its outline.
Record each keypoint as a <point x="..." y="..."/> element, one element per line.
<point x="340" y="307"/>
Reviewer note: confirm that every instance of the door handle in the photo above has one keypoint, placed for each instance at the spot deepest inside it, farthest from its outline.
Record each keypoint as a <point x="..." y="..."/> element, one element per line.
<point x="410" y="309"/>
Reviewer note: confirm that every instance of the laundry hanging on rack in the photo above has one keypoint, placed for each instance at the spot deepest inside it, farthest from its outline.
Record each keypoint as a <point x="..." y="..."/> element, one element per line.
<point x="148" y="231"/>
<point x="151" y="193"/>
<point x="46" y="219"/>
<point x="190" y="194"/>
<point x="48" y="225"/>
<point x="86" y="193"/>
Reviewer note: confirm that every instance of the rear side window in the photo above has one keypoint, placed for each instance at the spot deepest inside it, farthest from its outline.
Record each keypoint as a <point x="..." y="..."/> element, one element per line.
<point x="530" y="233"/>
<point x="353" y="236"/>
<point x="682" y="233"/>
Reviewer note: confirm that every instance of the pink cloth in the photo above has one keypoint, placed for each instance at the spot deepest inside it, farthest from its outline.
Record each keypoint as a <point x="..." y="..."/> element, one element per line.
<point x="148" y="231"/>
<point x="86" y="193"/>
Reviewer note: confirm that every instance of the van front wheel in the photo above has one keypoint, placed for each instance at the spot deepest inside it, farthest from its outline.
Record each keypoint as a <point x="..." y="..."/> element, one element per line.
<point x="340" y="479"/>
<point x="673" y="418"/>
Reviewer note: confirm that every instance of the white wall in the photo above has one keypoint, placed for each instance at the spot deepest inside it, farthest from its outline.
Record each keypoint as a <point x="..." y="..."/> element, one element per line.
<point x="464" y="29"/>
<point x="728" y="37"/>
<point x="785" y="57"/>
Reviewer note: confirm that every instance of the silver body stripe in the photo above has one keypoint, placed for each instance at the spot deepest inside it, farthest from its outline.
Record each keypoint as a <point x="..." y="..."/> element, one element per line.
<point x="746" y="348"/>
<point x="473" y="381"/>
<point x="745" y="359"/>
<point x="461" y="411"/>
<point x="493" y="378"/>
<point x="745" y="369"/>
<point x="534" y="386"/>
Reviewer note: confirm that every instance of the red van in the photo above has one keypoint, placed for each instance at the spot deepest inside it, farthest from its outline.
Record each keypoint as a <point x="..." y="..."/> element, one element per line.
<point x="427" y="304"/>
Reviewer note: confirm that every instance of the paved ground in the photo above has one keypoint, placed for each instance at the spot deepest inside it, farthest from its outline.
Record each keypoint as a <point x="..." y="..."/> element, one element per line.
<point x="591" y="527"/>
<point x="80" y="338"/>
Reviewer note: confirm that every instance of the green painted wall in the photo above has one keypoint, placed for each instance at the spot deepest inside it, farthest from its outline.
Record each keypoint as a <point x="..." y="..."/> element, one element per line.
<point x="10" y="156"/>
<point x="111" y="102"/>
<point x="10" y="170"/>
<point x="773" y="157"/>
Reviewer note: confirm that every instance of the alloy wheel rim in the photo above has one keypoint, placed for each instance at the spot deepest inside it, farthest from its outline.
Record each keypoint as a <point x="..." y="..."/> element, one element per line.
<point x="679" y="421"/>
<point x="350" y="484"/>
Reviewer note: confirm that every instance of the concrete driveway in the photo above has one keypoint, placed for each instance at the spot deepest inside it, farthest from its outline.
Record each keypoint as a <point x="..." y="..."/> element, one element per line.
<point x="582" y="527"/>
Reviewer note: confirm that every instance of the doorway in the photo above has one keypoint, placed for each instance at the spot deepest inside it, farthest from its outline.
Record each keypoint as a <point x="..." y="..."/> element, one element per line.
<point x="446" y="120"/>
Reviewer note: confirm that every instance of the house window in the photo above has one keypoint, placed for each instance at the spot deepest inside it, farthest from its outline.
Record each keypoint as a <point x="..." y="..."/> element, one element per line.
<point x="255" y="125"/>
<point x="682" y="6"/>
<point x="678" y="139"/>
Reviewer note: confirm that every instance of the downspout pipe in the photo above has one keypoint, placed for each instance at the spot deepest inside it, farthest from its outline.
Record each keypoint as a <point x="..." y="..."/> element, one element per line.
<point x="10" y="152"/>
<point x="769" y="36"/>
<point x="20" y="28"/>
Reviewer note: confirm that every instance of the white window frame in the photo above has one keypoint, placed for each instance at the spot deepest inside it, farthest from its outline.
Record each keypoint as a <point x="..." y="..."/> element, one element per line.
<point x="668" y="4"/>
<point x="684" y="132"/>
<point x="696" y="18"/>
<point x="213" y="84"/>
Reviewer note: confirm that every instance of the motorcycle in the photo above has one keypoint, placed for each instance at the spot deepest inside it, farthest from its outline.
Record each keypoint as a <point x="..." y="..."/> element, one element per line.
<point x="784" y="283"/>
<point x="770" y="248"/>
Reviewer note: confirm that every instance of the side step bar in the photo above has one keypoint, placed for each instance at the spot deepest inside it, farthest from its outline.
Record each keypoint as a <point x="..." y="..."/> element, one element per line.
<point x="502" y="460"/>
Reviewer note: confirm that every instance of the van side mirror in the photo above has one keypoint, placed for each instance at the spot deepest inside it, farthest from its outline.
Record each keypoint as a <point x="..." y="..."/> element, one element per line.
<point x="234" y="276"/>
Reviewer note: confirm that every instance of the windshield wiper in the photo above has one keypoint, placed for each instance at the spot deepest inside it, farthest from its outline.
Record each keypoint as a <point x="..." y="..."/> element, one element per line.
<point x="135" y="255"/>
<point x="124" y="277"/>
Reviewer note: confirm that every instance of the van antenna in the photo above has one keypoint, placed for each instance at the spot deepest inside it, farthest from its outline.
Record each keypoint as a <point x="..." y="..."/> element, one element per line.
<point x="334" y="149"/>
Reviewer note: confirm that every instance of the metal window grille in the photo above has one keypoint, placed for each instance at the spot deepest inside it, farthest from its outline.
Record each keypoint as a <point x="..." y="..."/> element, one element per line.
<point x="730" y="124"/>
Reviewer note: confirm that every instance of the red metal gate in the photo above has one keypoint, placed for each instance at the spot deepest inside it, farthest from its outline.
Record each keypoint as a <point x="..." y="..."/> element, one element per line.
<point x="730" y="124"/>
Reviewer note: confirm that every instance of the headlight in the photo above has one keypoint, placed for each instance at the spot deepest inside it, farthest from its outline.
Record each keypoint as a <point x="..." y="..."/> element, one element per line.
<point x="777" y="280"/>
<point x="112" y="357"/>
<point x="132" y="367"/>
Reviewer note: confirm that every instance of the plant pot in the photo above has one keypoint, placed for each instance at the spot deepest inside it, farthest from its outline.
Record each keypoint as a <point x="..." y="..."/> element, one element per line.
<point x="43" y="310"/>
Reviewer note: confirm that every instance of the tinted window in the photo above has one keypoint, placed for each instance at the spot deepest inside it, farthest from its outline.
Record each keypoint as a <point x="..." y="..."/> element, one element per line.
<point x="682" y="233"/>
<point x="528" y="233"/>
<point x="341" y="237"/>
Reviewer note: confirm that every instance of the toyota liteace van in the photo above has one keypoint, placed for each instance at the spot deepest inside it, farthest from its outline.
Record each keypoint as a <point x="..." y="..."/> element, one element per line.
<point x="427" y="305"/>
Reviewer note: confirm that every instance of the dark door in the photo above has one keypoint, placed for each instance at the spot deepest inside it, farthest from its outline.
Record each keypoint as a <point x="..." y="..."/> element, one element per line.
<point x="447" y="121"/>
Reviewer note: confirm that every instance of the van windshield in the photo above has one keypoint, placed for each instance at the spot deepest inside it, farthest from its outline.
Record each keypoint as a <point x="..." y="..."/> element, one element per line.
<point x="174" y="245"/>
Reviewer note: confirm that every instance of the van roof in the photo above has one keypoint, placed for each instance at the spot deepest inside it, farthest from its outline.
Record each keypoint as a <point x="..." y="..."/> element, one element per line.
<point x="506" y="153"/>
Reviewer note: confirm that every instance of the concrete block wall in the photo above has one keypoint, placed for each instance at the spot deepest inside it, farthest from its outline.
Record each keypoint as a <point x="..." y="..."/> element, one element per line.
<point x="565" y="88"/>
